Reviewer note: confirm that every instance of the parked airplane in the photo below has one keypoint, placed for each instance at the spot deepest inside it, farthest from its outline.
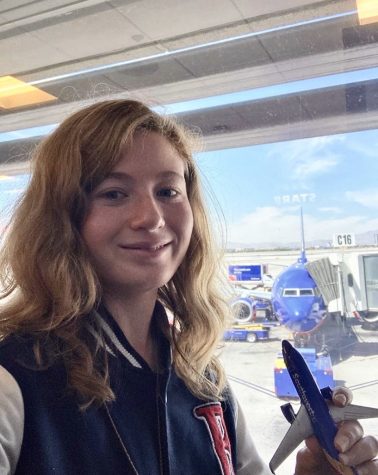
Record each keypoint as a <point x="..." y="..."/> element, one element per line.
<point x="295" y="298"/>
<point x="297" y="303"/>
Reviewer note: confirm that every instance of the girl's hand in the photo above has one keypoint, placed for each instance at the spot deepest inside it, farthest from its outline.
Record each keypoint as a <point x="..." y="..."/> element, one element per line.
<point x="356" y="450"/>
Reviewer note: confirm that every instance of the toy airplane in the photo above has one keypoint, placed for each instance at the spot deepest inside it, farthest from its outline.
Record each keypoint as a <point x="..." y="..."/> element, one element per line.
<point x="315" y="416"/>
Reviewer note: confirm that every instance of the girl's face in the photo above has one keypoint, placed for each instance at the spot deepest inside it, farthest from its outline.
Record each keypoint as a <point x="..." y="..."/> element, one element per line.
<point x="139" y="220"/>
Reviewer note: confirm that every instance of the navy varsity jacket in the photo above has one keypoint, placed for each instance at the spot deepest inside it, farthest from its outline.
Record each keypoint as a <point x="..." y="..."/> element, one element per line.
<point x="155" y="426"/>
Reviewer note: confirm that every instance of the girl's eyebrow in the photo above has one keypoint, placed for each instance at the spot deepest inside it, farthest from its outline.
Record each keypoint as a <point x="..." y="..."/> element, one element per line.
<point x="122" y="176"/>
<point x="171" y="174"/>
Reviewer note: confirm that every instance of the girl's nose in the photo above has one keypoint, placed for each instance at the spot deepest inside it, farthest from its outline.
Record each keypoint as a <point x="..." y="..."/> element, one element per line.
<point x="147" y="215"/>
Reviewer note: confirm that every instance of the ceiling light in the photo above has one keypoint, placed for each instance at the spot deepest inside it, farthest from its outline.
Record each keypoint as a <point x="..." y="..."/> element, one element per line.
<point x="367" y="11"/>
<point x="16" y="93"/>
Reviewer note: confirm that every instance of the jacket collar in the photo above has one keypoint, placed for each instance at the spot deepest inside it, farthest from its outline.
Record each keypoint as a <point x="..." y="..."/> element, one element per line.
<point x="110" y="337"/>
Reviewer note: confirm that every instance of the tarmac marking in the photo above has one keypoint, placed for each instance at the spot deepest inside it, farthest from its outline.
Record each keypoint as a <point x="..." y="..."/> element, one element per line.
<point x="364" y="385"/>
<point x="254" y="386"/>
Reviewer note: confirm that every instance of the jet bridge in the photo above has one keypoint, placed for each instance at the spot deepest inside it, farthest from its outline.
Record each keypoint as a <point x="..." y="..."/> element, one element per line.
<point x="324" y="274"/>
<point x="348" y="283"/>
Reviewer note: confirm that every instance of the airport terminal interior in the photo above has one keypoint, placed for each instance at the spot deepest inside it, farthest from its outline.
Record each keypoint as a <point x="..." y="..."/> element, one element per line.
<point x="284" y="95"/>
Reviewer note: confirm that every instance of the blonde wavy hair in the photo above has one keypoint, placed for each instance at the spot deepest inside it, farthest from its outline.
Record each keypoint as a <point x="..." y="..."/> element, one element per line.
<point x="46" y="270"/>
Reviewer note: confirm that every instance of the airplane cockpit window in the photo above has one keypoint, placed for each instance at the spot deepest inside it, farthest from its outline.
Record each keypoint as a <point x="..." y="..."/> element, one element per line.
<point x="303" y="292"/>
<point x="284" y="96"/>
<point x="298" y="292"/>
<point x="291" y="292"/>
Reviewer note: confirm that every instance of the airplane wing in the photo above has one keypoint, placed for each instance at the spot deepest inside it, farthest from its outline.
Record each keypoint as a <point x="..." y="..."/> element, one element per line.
<point x="299" y="430"/>
<point x="254" y="293"/>
<point x="352" y="412"/>
<point x="260" y="294"/>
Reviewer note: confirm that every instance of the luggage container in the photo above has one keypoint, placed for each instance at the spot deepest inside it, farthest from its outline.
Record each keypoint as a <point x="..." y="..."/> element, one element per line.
<point x="320" y="367"/>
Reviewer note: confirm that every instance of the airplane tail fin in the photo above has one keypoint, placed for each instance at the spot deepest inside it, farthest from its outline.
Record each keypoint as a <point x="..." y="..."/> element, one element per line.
<point x="302" y="259"/>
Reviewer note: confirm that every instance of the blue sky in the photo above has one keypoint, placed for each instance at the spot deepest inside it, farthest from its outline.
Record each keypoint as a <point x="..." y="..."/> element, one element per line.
<point x="260" y="188"/>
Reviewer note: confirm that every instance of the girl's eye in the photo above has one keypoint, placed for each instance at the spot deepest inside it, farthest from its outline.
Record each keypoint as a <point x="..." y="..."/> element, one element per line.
<point x="113" y="195"/>
<point x="167" y="193"/>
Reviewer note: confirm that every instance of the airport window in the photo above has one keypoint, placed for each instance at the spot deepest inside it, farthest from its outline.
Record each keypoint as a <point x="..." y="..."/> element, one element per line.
<point x="285" y="97"/>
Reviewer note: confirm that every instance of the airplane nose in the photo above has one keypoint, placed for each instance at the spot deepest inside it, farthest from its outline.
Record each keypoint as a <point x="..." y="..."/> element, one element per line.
<point x="298" y="313"/>
<point x="298" y="316"/>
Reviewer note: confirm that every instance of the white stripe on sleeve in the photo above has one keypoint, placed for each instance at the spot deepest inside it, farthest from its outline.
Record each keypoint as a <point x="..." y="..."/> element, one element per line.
<point x="11" y="422"/>
<point x="248" y="459"/>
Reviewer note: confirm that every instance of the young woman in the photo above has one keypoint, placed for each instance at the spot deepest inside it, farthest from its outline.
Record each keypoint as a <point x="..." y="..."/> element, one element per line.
<point x="110" y="233"/>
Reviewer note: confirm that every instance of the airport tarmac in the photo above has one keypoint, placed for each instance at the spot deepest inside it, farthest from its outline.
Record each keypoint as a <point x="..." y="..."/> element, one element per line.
<point x="250" y="366"/>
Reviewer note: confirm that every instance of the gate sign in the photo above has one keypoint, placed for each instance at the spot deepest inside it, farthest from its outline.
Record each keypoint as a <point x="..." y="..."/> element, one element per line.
<point x="246" y="272"/>
<point x="344" y="240"/>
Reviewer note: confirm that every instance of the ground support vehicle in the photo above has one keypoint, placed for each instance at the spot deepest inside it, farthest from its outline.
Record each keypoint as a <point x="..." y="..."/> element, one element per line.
<point x="320" y="367"/>
<point x="250" y="333"/>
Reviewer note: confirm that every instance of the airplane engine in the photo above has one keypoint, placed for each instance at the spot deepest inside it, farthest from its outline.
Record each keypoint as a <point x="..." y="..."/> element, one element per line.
<point x="244" y="309"/>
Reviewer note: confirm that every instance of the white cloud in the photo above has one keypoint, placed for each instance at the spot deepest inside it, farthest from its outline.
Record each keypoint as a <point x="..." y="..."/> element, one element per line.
<point x="307" y="158"/>
<point x="314" y="166"/>
<point x="365" y="148"/>
<point x="330" y="209"/>
<point x="279" y="225"/>
<point x="263" y="225"/>
<point x="367" y="198"/>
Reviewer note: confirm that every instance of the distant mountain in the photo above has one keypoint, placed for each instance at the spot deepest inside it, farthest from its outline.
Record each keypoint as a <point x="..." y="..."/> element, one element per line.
<point x="239" y="246"/>
<point x="370" y="238"/>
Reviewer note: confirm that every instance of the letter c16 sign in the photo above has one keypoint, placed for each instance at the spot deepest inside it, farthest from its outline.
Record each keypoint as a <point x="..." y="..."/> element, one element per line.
<point x="344" y="240"/>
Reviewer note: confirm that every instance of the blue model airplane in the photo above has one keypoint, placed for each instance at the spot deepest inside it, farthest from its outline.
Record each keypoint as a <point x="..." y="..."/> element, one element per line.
<point x="296" y="300"/>
<point x="315" y="416"/>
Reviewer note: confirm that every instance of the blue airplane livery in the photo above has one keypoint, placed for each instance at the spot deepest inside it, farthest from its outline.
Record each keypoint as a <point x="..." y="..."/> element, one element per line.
<point x="295" y="298"/>
<point x="316" y="415"/>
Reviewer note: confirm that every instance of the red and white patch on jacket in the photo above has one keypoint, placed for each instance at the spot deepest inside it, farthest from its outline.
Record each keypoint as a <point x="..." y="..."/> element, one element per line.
<point x="212" y="415"/>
